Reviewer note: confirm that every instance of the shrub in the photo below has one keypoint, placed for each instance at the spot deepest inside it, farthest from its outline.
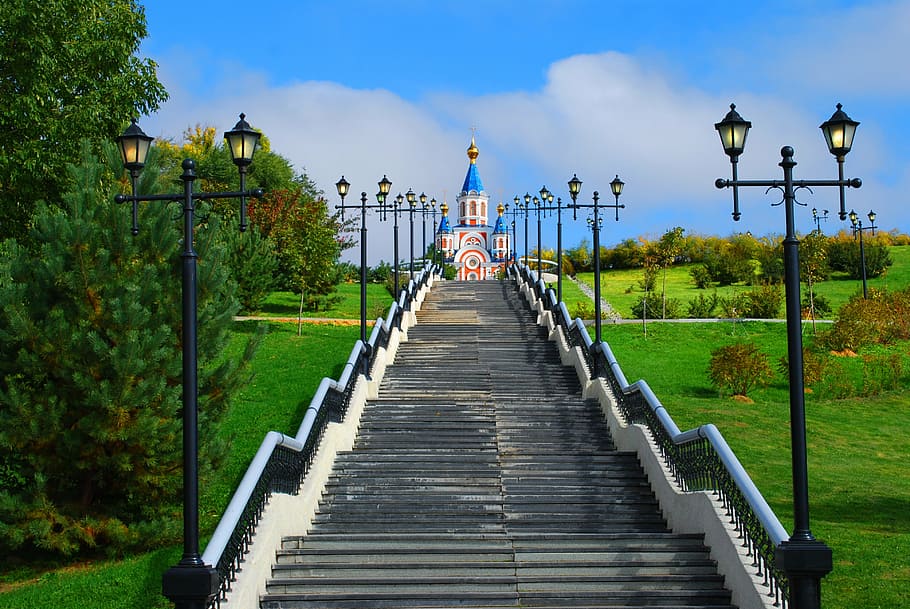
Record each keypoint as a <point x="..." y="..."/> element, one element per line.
<point x="738" y="368"/>
<point x="763" y="302"/>
<point x="814" y="366"/>
<point x="844" y="255"/>
<point x="701" y="307"/>
<point x="821" y="304"/>
<point x="585" y="310"/>
<point x="882" y="319"/>
<point x="701" y="276"/>
<point x="381" y="272"/>
<point x="652" y="304"/>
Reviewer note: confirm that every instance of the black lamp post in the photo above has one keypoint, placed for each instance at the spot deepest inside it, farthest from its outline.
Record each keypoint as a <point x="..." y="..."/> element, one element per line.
<point x="396" y="210"/>
<point x="191" y="584"/>
<point x="803" y="559"/>
<point x="818" y="219"/>
<point x="549" y="207"/>
<point x="424" y="210"/>
<point x="444" y="210"/>
<point x="435" y="228"/>
<point x="858" y="229"/>
<point x="412" y="207"/>
<point x="616" y="188"/>
<point x="514" y="210"/>
<point x="527" y="210"/>
<point x="343" y="187"/>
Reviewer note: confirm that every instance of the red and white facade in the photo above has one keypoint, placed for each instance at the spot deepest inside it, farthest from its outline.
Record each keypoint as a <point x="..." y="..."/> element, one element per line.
<point x="476" y="249"/>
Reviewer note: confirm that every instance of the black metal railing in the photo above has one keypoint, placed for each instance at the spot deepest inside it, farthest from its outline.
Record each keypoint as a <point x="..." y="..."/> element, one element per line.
<point x="282" y="462"/>
<point x="699" y="459"/>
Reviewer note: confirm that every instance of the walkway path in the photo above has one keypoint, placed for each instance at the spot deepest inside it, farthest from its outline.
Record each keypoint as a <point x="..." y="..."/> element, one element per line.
<point x="481" y="478"/>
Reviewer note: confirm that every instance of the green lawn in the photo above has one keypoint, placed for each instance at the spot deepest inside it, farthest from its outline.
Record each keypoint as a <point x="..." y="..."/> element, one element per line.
<point x="287" y="304"/>
<point x="621" y="287"/>
<point x="858" y="448"/>
<point x="860" y="494"/>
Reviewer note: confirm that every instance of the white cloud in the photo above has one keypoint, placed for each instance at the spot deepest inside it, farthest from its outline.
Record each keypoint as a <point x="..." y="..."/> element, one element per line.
<point x="598" y="115"/>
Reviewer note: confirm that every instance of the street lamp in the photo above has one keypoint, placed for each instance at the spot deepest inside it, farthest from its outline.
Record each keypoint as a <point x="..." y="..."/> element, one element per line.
<point x="423" y="229"/>
<point x="412" y="206"/>
<point x="558" y="209"/>
<point x="574" y="189"/>
<point x="191" y="583"/>
<point x="803" y="559"/>
<point x="396" y="211"/>
<point x="343" y="187"/>
<point x="818" y="219"/>
<point x="435" y="228"/>
<point x="858" y="228"/>
<point x="514" y="210"/>
<point x="527" y="210"/>
<point x="537" y="206"/>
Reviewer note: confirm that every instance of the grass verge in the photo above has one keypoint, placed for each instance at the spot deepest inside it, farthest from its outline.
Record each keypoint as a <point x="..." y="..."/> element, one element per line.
<point x="857" y="449"/>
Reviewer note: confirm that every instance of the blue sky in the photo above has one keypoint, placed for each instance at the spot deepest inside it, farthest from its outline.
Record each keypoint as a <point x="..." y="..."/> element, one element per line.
<point x="593" y="87"/>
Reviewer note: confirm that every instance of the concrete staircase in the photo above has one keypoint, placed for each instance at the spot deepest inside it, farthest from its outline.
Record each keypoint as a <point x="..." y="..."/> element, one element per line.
<point x="480" y="478"/>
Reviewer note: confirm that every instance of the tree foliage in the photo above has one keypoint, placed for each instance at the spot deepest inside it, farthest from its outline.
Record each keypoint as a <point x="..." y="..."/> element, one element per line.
<point x="306" y="239"/>
<point x="90" y="370"/>
<point x="69" y="69"/>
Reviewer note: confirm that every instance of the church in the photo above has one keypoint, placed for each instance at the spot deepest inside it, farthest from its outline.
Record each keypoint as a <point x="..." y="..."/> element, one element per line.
<point x="474" y="248"/>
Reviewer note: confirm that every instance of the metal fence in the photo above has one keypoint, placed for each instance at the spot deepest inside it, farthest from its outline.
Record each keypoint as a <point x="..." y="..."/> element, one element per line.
<point x="282" y="462"/>
<point x="699" y="459"/>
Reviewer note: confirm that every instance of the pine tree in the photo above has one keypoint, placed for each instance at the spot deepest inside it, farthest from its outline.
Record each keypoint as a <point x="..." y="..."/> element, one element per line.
<point x="90" y="370"/>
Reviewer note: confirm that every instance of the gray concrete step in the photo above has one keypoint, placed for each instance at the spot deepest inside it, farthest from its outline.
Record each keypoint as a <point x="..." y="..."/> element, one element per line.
<point x="480" y="478"/>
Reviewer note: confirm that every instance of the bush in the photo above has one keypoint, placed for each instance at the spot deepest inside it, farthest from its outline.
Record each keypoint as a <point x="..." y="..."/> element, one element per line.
<point x="814" y="366"/>
<point x="655" y="307"/>
<point x="738" y="368"/>
<point x="585" y="310"/>
<point x="821" y="304"/>
<point x="381" y="272"/>
<point x="701" y="307"/>
<point x="881" y="319"/>
<point x="701" y="276"/>
<point x="763" y="302"/>
<point x="844" y="255"/>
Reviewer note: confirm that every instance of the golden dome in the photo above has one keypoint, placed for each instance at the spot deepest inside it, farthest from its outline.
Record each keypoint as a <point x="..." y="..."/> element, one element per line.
<point x="445" y="208"/>
<point x="500" y="208"/>
<point x="473" y="152"/>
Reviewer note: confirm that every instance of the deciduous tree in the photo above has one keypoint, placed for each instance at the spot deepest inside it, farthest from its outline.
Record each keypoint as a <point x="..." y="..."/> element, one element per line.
<point x="69" y="69"/>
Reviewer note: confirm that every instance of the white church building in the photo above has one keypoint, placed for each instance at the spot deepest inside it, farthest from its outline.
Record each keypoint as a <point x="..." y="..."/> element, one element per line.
<point x="476" y="249"/>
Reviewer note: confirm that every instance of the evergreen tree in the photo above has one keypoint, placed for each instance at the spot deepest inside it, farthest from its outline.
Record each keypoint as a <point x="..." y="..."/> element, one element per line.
<point x="90" y="370"/>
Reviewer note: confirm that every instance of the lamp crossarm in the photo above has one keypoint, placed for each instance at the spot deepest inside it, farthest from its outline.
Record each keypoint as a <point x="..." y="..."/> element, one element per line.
<point x="197" y="196"/>
<point x="851" y="183"/>
<point x="359" y="206"/>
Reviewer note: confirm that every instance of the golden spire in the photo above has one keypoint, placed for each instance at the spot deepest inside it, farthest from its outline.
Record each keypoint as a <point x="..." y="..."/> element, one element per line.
<point x="473" y="152"/>
<point x="500" y="209"/>
<point x="444" y="209"/>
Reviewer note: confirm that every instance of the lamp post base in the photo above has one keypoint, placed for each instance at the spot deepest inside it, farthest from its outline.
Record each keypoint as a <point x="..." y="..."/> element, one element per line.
<point x="805" y="563"/>
<point x="190" y="586"/>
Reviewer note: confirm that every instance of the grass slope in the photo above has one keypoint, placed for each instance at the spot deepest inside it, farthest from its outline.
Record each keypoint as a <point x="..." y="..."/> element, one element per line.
<point x="859" y="490"/>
